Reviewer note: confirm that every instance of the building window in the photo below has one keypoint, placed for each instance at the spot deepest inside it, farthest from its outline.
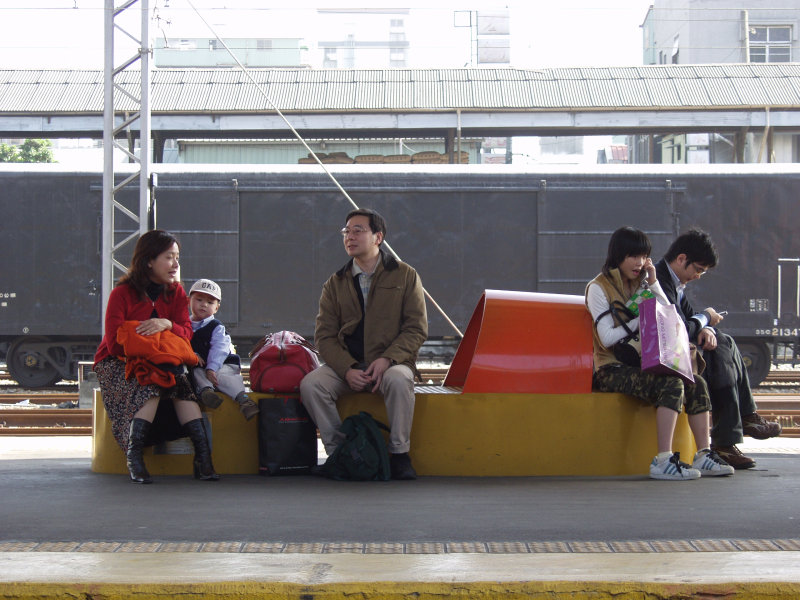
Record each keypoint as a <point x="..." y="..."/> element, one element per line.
<point x="213" y="44"/>
<point x="770" y="44"/>
<point x="330" y="59"/>
<point x="264" y="44"/>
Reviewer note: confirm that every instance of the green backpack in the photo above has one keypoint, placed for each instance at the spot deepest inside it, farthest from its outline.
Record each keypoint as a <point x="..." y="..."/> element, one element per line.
<point x="363" y="455"/>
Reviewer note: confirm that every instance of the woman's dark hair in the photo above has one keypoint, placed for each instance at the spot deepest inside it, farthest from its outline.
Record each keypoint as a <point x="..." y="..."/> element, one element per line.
<point x="148" y="247"/>
<point x="696" y="244"/>
<point x="376" y="221"/>
<point x="625" y="242"/>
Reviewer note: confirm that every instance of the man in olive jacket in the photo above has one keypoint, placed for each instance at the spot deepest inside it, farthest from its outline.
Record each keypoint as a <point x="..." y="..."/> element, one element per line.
<point x="371" y="324"/>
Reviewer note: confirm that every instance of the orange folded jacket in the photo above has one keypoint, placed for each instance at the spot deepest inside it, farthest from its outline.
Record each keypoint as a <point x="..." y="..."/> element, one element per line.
<point x="144" y="352"/>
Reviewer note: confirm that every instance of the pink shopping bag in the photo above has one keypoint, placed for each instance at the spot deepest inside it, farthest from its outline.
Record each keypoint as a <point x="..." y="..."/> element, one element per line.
<point x="665" y="343"/>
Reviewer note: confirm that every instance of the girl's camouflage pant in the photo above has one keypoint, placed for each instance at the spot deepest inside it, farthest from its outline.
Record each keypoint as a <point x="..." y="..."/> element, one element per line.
<point x="659" y="390"/>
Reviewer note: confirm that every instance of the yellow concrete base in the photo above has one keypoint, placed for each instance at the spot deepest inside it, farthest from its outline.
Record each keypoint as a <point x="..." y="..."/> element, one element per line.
<point x="458" y="435"/>
<point x="530" y="434"/>
<point x="234" y="445"/>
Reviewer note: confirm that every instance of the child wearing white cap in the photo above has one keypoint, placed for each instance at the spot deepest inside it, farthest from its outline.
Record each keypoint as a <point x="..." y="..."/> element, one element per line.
<point x="220" y="366"/>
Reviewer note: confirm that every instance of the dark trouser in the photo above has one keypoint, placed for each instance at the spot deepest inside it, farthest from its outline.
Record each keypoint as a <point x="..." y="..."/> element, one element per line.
<point x="729" y="387"/>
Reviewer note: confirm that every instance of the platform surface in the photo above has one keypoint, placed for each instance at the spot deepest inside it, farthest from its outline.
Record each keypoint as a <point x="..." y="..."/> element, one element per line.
<point x="67" y="530"/>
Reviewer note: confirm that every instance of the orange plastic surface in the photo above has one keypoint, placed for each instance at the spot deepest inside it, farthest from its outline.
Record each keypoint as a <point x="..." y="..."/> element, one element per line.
<point x="525" y="342"/>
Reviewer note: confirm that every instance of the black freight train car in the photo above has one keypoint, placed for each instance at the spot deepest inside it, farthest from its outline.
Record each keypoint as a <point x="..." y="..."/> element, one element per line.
<point x="270" y="236"/>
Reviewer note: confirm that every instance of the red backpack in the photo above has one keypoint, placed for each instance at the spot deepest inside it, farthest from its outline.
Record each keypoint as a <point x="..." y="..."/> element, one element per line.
<point x="280" y="361"/>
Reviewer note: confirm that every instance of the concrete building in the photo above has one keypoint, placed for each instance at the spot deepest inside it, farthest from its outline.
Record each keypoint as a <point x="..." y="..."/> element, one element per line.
<point x="716" y="32"/>
<point x="211" y="52"/>
<point x="363" y="38"/>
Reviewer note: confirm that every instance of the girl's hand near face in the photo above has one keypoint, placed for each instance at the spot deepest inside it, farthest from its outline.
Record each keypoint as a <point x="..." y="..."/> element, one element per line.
<point x="650" y="270"/>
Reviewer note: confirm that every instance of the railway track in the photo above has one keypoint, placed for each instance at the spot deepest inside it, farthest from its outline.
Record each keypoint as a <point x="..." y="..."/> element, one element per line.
<point x="32" y="413"/>
<point x="434" y="374"/>
<point x="782" y="377"/>
<point x="45" y="421"/>
<point x="437" y="374"/>
<point x="37" y="399"/>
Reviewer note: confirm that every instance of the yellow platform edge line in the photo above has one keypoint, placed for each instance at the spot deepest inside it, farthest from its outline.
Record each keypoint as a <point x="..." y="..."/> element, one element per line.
<point x="595" y="590"/>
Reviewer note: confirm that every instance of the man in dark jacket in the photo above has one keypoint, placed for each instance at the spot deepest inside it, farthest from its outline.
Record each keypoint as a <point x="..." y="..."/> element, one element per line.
<point x="370" y="326"/>
<point x="733" y="409"/>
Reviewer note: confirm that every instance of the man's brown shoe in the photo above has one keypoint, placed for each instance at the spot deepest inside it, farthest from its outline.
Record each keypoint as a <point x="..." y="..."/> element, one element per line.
<point x="732" y="456"/>
<point x="759" y="428"/>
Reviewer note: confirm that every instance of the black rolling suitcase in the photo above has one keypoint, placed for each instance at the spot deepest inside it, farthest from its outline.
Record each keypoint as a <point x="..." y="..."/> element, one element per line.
<point x="287" y="437"/>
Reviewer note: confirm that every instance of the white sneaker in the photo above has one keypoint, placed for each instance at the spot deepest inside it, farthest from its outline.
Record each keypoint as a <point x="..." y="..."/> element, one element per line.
<point x="711" y="464"/>
<point x="672" y="469"/>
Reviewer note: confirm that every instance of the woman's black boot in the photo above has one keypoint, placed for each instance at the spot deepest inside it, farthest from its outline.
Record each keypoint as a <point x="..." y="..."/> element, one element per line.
<point x="136" y="440"/>
<point x="203" y="469"/>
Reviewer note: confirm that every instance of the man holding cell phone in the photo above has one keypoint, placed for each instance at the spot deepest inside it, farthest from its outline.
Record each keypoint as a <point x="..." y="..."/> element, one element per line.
<point x="733" y="409"/>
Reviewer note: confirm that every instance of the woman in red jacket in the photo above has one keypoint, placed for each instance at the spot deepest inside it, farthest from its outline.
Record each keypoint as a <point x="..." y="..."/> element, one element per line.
<point x="150" y="293"/>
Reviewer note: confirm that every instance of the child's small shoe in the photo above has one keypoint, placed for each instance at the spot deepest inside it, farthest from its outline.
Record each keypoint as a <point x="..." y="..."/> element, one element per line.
<point x="247" y="406"/>
<point x="209" y="398"/>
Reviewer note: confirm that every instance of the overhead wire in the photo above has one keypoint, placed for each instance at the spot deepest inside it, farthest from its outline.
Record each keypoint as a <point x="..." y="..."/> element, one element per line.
<point x="311" y="152"/>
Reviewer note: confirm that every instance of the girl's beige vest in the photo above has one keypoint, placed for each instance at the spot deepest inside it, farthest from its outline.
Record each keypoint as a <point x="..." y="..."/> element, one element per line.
<point x="612" y="287"/>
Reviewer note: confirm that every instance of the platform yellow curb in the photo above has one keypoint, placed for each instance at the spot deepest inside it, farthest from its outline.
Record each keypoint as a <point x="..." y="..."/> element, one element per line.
<point x="396" y="591"/>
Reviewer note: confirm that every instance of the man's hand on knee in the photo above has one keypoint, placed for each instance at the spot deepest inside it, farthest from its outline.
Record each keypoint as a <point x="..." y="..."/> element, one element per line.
<point x="376" y="370"/>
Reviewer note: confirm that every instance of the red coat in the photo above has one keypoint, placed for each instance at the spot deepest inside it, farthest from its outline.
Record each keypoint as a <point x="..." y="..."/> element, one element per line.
<point x="124" y="304"/>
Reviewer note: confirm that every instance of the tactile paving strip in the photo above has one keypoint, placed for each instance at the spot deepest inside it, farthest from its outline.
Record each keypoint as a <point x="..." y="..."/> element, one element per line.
<point x="514" y="547"/>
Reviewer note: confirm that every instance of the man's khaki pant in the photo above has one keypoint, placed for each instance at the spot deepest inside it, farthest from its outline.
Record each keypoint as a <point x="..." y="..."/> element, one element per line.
<point x="320" y="389"/>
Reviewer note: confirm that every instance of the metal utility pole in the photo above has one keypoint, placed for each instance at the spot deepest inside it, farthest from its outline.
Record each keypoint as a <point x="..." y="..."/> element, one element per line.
<point x="117" y="88"/>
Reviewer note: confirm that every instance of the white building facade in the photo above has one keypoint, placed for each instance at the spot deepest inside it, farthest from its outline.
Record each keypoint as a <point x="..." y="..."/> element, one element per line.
<point x="685" y="32"/>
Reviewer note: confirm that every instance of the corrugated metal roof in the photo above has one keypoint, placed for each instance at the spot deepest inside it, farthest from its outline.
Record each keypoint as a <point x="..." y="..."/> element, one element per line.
<point x="721" y="92"/>
<point x="231" y="90"/>
<point x="691" y="92"/>
<point x="575" y="92"/>
<point x="662" y="92"/>
<point x="634" y="93"/>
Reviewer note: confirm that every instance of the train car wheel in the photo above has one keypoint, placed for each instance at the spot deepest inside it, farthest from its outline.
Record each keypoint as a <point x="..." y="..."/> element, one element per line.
<point x="757" y="359"/>
<point x="28" y="364"/>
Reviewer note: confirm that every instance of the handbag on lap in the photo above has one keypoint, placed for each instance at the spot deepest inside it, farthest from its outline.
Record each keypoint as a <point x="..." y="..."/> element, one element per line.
<point x="628" y="349"/>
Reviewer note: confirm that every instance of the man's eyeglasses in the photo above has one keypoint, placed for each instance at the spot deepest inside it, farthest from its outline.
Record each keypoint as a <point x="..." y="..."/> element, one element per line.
<point x="699" y="270"/>
<point x="357" y="230"/>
